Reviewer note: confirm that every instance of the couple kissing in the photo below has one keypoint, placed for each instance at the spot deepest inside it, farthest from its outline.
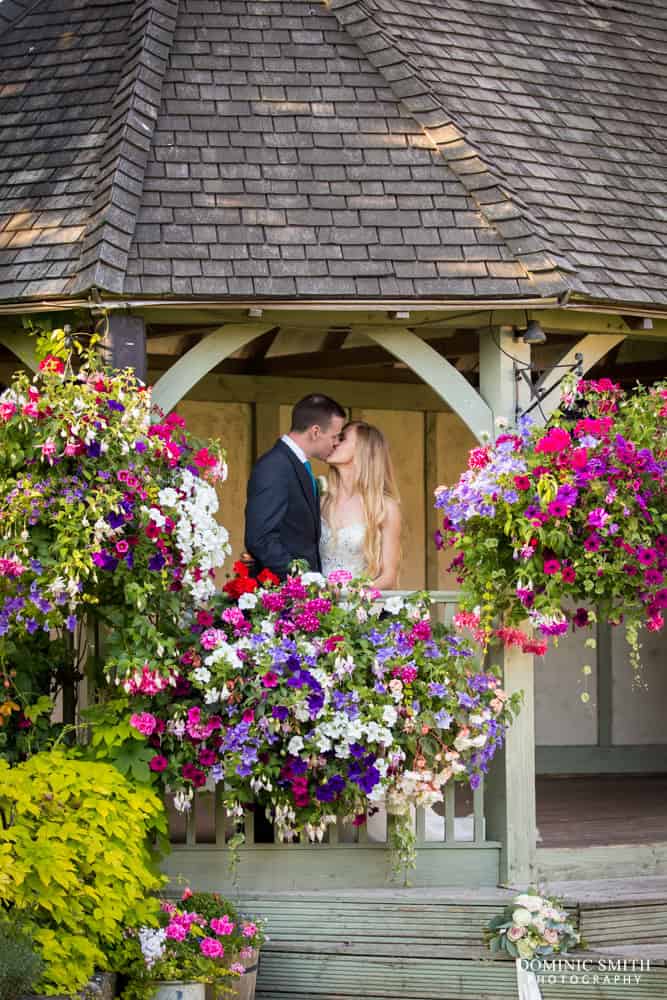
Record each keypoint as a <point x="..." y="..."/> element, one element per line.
<point x="354" y="525"/>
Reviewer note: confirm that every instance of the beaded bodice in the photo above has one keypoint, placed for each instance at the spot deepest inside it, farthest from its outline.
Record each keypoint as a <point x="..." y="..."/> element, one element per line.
<point x="344" y="549"/>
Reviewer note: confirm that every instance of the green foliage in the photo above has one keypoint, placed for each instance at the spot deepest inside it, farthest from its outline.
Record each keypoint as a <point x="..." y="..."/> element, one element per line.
<point x="75" y="862"/>
<point x="20" y="966"/>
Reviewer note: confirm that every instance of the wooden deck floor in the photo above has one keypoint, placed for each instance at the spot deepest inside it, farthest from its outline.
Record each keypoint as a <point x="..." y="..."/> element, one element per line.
<point x="601" y="810"/>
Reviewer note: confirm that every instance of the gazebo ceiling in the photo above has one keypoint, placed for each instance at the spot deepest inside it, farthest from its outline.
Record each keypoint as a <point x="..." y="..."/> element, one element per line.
<point x="390" y="150"/>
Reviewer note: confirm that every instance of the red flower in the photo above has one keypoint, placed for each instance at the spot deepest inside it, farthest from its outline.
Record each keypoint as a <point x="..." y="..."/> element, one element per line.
<point x="266" y="576"/>
<point x="569" y="575"/>
<point x="204" y="618"/>
<point x="52" y="364"/>
<point x="522" y="482"/>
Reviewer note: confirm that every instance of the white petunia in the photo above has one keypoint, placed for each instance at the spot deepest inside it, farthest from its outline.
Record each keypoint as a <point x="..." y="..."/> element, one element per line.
<point x="294" y="745"/>
<point x="202" y="675"/>
<point x="389" y="715"/>
<point x="247" y="601"/>
<point x="308" y="578"/>
<point x="394" y="605"/>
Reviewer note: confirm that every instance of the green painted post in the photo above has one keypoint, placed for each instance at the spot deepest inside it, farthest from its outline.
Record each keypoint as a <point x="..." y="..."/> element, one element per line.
<point x="510" y="785"/>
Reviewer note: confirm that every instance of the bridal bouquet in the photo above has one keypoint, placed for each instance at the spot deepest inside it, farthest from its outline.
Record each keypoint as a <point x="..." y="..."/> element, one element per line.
<point x="298" y="698"/>
<point x="532" y="926"/>
<point x="547" y="521"/>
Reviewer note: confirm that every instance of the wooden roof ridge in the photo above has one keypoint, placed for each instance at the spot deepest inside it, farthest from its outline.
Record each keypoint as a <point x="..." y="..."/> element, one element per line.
<point x="119" y="185"/>
<point x="484" y="182"/>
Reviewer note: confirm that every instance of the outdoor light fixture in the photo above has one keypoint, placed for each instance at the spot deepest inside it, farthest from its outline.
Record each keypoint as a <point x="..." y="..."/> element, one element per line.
<point x="534" y="334"/>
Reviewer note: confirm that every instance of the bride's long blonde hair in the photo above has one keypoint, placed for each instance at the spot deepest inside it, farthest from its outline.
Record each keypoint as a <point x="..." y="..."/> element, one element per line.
<point x="375" y="482"/>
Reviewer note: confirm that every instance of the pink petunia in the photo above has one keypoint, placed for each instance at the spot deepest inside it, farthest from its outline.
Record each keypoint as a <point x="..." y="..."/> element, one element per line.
<point x="270" y="679"/>
<point x="555" y="441"/>
<point x="144" y="722"/>
<point x="158" y="763"/>
<point x="551" y="566"/>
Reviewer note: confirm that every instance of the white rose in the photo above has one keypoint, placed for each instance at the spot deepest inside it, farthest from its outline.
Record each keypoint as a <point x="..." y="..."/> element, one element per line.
<point x="529" y="902"/>
<point x="522" y="917"/>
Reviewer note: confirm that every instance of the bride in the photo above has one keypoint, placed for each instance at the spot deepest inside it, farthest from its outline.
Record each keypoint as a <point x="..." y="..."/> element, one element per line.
<point x="361" y="514"/>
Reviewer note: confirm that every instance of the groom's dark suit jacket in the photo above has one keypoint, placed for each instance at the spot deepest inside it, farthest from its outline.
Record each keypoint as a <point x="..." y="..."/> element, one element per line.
<point x="282" y="516"/>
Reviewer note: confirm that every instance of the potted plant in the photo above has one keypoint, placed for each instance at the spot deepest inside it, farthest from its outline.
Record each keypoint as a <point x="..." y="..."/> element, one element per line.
<point x="200" y="945"/>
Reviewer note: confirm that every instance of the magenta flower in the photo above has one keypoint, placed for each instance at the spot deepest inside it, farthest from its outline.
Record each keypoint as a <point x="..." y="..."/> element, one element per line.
<point x="551" y="566"/>
<point x="569" y="574"/>
<point x="211" y="947"/>
<point x="222" y="925"/>
<point x="646" y="556"/>
<point x="653" y="577"/>
<point x="270" y="679"/>
<point x="158" y="763"/>
<point x="249" y="930"/>
<point x="144" y="722"/>
<point x="592" y="543"/>
<point x="176" y="931"/>
<point x="557" y="508"/>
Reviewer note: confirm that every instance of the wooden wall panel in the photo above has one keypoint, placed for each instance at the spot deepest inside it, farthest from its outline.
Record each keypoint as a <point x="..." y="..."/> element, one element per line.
<point x="231" y="423"/>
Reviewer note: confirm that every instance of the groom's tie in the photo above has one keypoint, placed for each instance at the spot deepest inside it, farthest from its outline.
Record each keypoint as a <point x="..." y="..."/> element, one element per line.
<point x="309" y="469"/>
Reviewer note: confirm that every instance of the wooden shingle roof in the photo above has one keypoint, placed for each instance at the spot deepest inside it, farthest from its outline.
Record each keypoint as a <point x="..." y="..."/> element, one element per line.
<point x="372" y="149"/>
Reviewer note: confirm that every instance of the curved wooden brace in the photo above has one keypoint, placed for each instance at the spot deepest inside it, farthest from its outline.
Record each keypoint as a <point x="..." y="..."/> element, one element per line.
<point x="593" y="347"/>
<point x="22" y="346"/>
<point x="438" y="373"/>
<point x="171" y="387"/>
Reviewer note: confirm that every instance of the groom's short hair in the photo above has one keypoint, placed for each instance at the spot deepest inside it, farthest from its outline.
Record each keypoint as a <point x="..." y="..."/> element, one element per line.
<point x="315" y="409"/>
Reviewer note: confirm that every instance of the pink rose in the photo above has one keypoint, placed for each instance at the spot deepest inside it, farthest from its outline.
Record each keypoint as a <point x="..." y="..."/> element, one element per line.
<point x="514" y="933"/>
<point x="211" y="947"/>
<point x="551" y="936"/>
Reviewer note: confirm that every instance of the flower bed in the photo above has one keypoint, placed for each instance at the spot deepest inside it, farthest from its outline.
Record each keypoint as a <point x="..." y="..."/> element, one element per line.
<point x="301" y="700"/>
<point x="546" y="521"/>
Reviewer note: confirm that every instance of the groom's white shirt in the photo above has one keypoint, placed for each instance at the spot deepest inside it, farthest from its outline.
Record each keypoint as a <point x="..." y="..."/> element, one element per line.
<point x="293" y="446"/>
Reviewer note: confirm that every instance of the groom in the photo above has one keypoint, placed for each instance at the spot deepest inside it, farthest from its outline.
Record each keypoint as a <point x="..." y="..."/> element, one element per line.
<point x="283" y="508"/>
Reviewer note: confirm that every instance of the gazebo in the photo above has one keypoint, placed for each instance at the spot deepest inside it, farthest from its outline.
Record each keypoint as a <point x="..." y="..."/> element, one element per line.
<point x="421" y="209"/>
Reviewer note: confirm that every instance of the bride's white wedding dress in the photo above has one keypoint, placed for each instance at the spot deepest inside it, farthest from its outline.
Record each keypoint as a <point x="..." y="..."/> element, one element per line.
<point x="344" y="549"/>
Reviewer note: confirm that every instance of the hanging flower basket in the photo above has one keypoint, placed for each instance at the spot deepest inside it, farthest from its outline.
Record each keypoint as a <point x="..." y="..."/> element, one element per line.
<point x="551" y="524"/>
